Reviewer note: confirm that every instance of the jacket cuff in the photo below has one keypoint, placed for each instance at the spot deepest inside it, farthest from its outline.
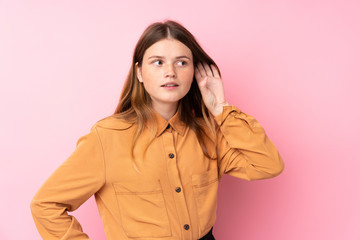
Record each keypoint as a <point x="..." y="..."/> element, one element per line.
<point x="227" y="110"/>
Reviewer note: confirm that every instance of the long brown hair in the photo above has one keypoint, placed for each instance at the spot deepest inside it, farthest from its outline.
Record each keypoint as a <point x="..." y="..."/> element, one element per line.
<point x="135" y="103"/>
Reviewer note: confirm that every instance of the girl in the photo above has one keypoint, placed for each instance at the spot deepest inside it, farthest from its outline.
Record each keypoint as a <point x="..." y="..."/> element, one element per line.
<point x="155" y="164"/>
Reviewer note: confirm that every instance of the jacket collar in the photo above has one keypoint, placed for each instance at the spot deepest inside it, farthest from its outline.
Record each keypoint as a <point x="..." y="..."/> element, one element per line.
<point x="174" y="122"/>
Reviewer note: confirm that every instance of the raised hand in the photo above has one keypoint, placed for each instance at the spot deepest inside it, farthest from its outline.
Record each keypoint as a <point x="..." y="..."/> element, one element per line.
<point x="211" y="87"/>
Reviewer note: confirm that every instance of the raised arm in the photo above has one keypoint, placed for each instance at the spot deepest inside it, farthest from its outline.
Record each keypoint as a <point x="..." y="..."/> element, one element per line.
<point x="244" y="149"/>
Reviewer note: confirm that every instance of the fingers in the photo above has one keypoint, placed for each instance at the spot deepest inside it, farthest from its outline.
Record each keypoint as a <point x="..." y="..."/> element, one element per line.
<point x="208" y="70"/>
<point x="205" y="70"/>
<point x="215" y="71"/>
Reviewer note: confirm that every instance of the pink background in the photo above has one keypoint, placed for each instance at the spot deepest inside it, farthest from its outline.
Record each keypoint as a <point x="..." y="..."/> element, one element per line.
<point x="294" y="65"/>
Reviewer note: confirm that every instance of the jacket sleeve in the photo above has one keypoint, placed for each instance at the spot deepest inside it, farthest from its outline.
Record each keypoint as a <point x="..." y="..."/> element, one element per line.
<point x="75" y="181"/>
<point x="244" y="150"/>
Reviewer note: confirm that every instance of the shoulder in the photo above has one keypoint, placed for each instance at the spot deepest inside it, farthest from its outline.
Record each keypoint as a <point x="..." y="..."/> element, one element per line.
<point x="113" y="122"/>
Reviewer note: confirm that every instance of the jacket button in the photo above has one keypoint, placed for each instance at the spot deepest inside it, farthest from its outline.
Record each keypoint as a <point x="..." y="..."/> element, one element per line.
<point x="171" y="155"/>
<point x="178" y="189"/>
<point x="186" y="226"/>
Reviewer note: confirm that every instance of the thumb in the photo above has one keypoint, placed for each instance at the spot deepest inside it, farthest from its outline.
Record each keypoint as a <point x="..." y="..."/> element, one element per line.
<point x="202" y="82"/>
<point x="202" y="85"/>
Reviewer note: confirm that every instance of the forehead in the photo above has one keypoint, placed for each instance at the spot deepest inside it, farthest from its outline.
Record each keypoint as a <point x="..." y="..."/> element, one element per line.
<point x="168" y="48"/>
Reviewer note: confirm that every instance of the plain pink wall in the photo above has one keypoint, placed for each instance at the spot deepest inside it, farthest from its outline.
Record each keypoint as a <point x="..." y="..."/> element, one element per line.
<point x="294" y="65"/>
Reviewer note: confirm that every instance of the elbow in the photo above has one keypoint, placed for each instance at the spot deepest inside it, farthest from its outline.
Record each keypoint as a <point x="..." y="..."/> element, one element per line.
<point x="277" y="167"/>
<point x="265" y="172"/>
<point x="274" y="168"/>
<point x="35" y="207"/>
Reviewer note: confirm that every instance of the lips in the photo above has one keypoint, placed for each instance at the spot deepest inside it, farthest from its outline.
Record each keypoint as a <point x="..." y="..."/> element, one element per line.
<point x="170" y="84"/>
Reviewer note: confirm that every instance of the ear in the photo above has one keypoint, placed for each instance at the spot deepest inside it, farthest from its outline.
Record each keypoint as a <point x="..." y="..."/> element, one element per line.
<point x="138" y="72"/>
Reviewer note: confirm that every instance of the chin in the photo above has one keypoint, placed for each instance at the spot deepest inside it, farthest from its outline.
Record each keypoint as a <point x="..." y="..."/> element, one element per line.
<point x="173" y="100"/>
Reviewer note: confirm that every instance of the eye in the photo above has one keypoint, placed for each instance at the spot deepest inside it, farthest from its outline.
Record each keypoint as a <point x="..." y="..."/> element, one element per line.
<point x="182" y="63"/>
<point x="157" y="62"/>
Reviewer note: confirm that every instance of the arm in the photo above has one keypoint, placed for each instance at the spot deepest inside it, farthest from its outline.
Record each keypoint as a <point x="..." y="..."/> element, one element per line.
<point x="244" y="150"/>
<point x="75" y="181"/>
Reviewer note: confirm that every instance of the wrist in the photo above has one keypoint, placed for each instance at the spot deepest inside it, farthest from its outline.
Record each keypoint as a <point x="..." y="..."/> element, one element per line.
<point x="219" y="109"/>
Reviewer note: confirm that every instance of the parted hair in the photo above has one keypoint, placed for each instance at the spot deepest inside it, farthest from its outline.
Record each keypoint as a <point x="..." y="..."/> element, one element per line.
<point x="135" y="103"/>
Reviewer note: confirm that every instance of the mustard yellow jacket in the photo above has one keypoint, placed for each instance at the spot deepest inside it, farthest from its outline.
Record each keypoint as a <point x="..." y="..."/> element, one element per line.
<point x="171" y="195"/>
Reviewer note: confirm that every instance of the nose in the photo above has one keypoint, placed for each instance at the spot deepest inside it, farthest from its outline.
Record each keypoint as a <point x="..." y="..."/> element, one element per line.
<point x="170" y="71"/>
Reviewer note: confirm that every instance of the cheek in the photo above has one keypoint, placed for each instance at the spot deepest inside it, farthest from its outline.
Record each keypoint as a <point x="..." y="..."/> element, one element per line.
<point x="149" y="77"/>
<point x="189" y="76"/>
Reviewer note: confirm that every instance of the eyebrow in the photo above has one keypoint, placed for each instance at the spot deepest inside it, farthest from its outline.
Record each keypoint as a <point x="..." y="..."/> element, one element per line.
<point x="178" y="57"/>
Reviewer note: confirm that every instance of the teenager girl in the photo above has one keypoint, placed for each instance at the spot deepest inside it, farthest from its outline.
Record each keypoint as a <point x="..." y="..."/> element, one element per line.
<point x="155" y="164"/>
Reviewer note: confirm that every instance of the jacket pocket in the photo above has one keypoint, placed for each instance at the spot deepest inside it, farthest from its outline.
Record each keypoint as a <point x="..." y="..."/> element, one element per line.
<point x="142" y="209"/>
<point x="205" y="188"/>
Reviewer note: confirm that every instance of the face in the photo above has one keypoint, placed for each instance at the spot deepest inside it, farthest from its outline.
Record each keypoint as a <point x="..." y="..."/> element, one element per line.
<point x="167" y="72"/>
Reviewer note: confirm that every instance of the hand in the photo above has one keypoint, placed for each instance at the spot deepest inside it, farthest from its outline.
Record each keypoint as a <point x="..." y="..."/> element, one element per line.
<point x="211" y="88"/>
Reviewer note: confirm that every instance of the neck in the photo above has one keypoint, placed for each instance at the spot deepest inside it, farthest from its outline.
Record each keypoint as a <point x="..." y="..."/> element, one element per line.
<point x="166" y="110"/>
